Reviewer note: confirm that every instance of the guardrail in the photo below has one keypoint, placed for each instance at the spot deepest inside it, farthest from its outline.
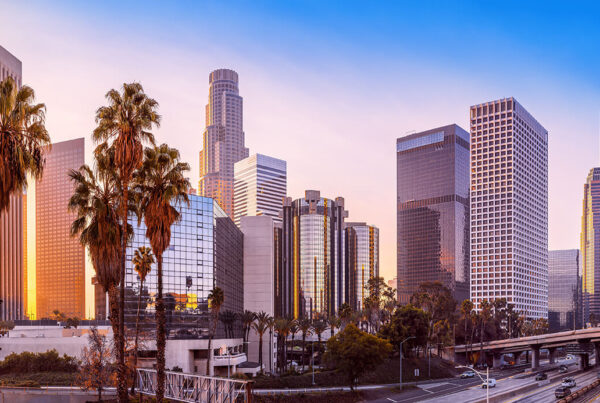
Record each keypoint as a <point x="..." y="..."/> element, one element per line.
<point x="194" y="388"/>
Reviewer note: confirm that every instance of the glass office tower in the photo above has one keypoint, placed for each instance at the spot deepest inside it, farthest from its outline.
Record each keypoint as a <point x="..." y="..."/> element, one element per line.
<point x="313" y="276"/>
<point x="433" y="210"/>
<point x="509" y="207"/>
<point x="564" y="288"/>
<point x="362" y="261"/>
<point x="206" y="251"/>
<point x="590" y="246"/>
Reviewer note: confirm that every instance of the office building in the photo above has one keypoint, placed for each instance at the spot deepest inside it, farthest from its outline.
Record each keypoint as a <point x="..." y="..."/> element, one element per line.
<point x="312" y="278"/>
<point x="12" y="272"/>
<point x="60" y="258"/>
<point x="260" y="184"/>
<point x="259" y="281"/>
<point x="564" y="290"/>
<point x="223" y="139"/>
<point x="590" y="246"/>
<point x="509" y="207"/>
<point x="362" y="261"/>
<point x="433" y="211"/>
<point x="206" y="251"/>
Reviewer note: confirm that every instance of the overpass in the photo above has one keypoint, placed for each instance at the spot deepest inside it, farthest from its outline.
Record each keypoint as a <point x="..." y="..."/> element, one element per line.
<point x="582" y="342"/>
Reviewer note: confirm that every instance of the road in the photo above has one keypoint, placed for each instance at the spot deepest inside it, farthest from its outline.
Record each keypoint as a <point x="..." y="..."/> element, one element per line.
<point x="546" y="393"/>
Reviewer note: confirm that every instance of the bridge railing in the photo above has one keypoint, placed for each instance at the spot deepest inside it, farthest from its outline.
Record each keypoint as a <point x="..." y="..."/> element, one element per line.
<point x="193" y="388"/>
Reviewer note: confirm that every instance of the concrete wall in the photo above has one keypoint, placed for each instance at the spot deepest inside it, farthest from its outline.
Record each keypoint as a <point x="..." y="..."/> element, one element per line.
<point x="259" y="278"/>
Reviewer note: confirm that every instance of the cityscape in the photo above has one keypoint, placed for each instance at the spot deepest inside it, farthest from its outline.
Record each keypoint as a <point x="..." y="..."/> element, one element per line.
<point x="228" y="234"/>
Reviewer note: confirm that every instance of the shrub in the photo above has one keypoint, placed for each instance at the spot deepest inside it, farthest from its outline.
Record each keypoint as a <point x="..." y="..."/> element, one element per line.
<point x="27" y="362"/>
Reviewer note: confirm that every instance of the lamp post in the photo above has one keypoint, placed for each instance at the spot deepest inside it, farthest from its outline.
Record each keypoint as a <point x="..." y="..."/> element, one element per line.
<point x="401" y="343"/>
<point x="487" y="381"/>
<point x="312" y="347"/>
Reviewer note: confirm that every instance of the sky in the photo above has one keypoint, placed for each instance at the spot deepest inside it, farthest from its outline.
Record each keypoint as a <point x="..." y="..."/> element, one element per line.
<point x="328" y="86"/>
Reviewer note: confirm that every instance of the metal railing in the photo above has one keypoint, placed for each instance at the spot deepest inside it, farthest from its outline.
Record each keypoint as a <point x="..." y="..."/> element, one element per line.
<point x="193" y="388"/>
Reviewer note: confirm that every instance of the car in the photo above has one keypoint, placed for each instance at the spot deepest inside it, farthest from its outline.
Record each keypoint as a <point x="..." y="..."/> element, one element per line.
<point x="562" y="369"/>
<point x="506" y="366"/>
<point x="467" y="374"/>
<point x="541" y="376"/>
<point x="562" y="392"/>
<point x="568" y="383"/>
<point x="491" y="383"/>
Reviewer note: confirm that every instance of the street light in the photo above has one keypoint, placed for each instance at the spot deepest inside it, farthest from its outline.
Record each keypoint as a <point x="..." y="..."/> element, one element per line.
<point x="487" y="381"/>
<point x="401" y="343"/>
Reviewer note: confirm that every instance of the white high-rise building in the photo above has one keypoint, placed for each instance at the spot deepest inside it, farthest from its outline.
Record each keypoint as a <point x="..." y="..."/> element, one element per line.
<point x="260" y="184"/>
<point x="509" y="207"/>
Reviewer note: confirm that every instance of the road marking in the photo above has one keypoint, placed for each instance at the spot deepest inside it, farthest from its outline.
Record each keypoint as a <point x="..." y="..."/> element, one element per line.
<point x="391" y="400"/>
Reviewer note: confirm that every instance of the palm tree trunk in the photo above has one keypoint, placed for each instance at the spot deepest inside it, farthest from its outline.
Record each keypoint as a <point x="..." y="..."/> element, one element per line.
<point x="161" y="334"/>
<point x="113" y="302"/>
<point x="122" y="373"/>
<point x="208" y="359"/>
<point x="137" y="335"/>
<point x="260" y="357"/>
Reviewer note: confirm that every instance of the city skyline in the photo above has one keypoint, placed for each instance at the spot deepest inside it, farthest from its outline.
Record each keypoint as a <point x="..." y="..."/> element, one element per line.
<point x="563" y="80"/>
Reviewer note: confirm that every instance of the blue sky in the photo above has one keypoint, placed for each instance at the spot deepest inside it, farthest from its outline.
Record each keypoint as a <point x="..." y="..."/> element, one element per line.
<point x="329" y="86"/>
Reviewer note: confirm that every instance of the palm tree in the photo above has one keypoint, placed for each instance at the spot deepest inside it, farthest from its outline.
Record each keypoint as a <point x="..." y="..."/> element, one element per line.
<point x="260" y="326"/>
<point x="247" y="318"/>
<point x="305" y="328"/>
<point x="228" y="319"/>
<point x="159" y="185"/>
<point x="126" y="121"/>
<point x="345" y="314"/>
<point x="293" y="331"/>
<point x="271" y="324"/>
<point x="282" y="327"/>
<point x="23" y="137"/>
<point x="142" y="264"/>
<point x="318" y="327"/>
<point x="96" y="201"/>
<point x="334" y="323"/>
<point x="215" y="300"/>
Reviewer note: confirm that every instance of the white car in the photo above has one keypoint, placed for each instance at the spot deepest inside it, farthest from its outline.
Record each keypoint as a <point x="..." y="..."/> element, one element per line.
<point x="467" y="374"/>
<point x="568" y="383"/>
<point x="491" y="383"/>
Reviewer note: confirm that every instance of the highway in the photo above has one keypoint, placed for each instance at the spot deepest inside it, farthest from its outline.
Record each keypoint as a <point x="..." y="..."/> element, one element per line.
<point x="546" y="392"/>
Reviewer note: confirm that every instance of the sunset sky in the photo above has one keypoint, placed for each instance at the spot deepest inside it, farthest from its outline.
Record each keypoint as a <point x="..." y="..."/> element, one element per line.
<point x="328" y="86"/>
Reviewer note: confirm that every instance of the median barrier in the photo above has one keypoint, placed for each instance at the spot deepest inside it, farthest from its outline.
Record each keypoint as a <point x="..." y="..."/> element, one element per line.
<point x="580" y="392"/>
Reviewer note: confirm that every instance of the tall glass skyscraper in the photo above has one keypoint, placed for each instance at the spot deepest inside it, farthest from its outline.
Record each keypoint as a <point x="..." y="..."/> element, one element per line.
<point x="206" y="251"/>
<point x="12" y="272"/>
<point x="223" y="139"/>
<point x="564" y="290"/>
<point x="509" y="207"/>
<point x="260" y="185"/>
<point x="313" y="274"/>
<point x="433" y="210"/>
<point x="590" y="246"/>
<point x="362" y="261"/>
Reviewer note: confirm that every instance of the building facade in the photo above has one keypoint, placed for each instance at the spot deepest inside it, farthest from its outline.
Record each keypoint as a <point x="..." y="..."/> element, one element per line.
<point x="433" y="211"/>
<point x="362" y="261"/>
<point x="60" y="258"/>
<point x="509" y="207"/>
<point x="223" y="139"/>
<point x="313" y="278"/>
<point x="260" y="185"/>
<point x="12" y="267"/>
<point x="590" y="246"/>
<point x="564" y="290"/>
<point x="206" y="251"/>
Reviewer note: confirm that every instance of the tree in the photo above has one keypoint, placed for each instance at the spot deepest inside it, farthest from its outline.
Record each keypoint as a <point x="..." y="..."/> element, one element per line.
<point x="406" y="321"/>
<point x="485" y="314"/>
<point x="305" y="328"/>
<point x="354" y="352"/>
<point x="95" y="201"/>
<point x="282" y="327"/>
<point x="72" y="322"/>
<point x="58" y="315"/>
<point x="5" y="326"/>
<point x="377" y="288"/>
<point x="126" y="122"/>
<point x="142" y="264"/>
<point x="334" y="322"/>
<point x="345" y="314"/>
<point x="319" y="326"/>
<point x="159" y="185"/>
<point x="216" y="297"/>
<point x="23" y="137"/>
<point x="247" y="318"/>
<point x="435" y="299"/>
<point x="260" y="326"/>
<point x="228" y="319"/>
<point x="96" y="369"/>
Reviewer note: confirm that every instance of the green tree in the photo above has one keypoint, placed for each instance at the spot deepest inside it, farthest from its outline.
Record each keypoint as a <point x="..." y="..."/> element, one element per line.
<point x="247" y="318"/>
<point x="216" y="298"/>
<point x="406" y="321"/>
<point x="318" y="327"/>
<point x="126" y="122"/>
<point x="435" y="299"/>
<point x="23" y="137"/>
<point x="354" y="352"/>
<point x="345" y="314"/>
<point x="334" y="322"/>
<point x="159" y="185"/>
<point x="282" y="328"/>
<point x="305" y="328"/>
<point x="5" y="326"/>
<point x="260" y="326"/>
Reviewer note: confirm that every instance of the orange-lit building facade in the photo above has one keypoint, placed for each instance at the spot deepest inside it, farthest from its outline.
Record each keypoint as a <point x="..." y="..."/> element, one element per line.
<point x="362" y="261"/>
<point x="60" y="258"/>
<point x="223" y="139"/>
<point x="12" y="281"/>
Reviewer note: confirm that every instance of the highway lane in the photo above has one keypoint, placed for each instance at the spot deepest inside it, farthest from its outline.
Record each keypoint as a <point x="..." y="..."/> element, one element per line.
<point x="546" y="392"/>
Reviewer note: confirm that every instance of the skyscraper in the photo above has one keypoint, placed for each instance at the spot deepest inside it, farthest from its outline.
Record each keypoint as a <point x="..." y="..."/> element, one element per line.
<point x="223" y="139"/>
<point x="433" y="210"/>
<point x="590" y="246"/>
<point x="312" y="278"/>
<point x="564" y="290"/>
<point x="509" y="207"/>
<point x="260" y="184"/>
<point x="12" y="275"/>
<point x="362" y="261"/>
<point x="60" y="258"/>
